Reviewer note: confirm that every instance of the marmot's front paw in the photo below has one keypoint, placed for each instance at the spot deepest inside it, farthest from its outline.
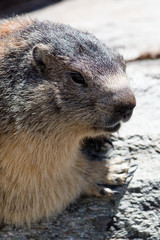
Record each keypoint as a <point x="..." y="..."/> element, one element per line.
<point x="107" y="175"/>
<point x="117" y="172"/>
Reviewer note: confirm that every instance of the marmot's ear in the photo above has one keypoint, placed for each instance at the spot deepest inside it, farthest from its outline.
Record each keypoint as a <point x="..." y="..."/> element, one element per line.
<point x="40" y="54"/>
<point x="43" y="55"/>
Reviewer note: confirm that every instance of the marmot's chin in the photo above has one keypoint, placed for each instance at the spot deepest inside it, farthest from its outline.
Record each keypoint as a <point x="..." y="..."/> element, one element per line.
<point x="113" y="128"/>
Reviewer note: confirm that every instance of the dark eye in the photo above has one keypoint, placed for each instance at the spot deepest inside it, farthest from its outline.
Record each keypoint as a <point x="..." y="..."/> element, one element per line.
<point x="77" y="78"/>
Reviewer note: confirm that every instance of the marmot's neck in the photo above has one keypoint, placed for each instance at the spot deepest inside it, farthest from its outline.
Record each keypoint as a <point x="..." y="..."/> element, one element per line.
<point x="24" y="151"/>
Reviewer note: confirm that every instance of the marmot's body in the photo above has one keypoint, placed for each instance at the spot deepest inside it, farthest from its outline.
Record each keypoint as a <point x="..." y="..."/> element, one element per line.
<point x="57" y="86"/>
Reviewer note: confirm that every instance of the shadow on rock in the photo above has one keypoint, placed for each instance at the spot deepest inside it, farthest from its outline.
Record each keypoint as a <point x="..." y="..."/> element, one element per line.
<point x="9" y="8"/>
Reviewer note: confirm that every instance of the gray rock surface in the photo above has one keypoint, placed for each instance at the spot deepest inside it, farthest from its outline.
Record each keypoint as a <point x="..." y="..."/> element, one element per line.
<point x="135" y="212"/>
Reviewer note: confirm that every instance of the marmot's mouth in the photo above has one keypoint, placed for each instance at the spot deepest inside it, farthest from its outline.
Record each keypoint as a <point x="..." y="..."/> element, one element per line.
<point x="113" y="128"/>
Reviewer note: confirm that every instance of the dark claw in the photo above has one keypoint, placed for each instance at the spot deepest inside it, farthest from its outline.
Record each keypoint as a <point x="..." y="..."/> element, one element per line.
<point x="116" y="192"/>
<point x="134" y="165"/>
<point x="109" y="142"/>
<point x="132" y="172"/>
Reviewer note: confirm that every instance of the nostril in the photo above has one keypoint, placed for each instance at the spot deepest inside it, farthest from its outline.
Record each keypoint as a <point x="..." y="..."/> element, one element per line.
<point x="125" y="111"/>
<point x="127" y="115"/>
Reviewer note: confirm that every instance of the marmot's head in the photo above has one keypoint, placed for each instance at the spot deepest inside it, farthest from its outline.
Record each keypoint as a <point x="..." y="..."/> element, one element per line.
<point x="72" y="79"/>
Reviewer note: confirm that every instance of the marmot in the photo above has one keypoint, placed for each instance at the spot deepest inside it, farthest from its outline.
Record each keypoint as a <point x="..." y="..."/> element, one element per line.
<point x="58" y="86"/>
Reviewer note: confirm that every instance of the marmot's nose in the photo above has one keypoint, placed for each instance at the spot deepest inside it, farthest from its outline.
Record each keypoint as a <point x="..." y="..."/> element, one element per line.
<point x="126" y="106"/>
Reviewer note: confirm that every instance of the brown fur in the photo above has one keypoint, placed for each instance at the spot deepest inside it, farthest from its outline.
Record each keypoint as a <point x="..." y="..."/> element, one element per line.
<point x="45" y="116"/>
<point x="7" y="27"/>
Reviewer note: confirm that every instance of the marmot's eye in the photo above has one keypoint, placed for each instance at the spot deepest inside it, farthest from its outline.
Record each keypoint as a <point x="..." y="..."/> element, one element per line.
<point x="77" y="78"/>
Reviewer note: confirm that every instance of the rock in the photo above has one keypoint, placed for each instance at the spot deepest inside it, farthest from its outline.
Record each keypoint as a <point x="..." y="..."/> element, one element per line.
<point x="130" y="26"/>
<point x="144" y="76"/>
